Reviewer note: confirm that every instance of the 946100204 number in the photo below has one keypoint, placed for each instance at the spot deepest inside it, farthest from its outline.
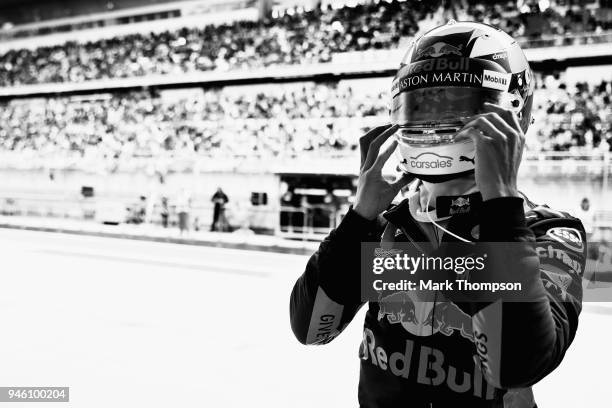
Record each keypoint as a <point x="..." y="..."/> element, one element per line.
<point x="34" y="394"/>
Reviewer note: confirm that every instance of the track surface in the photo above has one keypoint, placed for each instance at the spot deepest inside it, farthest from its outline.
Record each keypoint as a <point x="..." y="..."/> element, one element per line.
<point x="139" y="324"/>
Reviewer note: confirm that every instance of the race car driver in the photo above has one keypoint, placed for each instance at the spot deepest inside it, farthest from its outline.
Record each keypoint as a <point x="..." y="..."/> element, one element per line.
<point x="461" y="106"/>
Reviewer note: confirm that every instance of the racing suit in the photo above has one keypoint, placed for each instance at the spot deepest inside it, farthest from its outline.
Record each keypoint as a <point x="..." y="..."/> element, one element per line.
<point x="480" y="354"/>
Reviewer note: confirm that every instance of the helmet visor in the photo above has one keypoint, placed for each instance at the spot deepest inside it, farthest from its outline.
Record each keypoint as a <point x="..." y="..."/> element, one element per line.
<point x="442" y="107"/>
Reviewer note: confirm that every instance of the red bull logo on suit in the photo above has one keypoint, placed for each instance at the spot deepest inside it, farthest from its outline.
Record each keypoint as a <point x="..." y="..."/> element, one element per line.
<point x="424" y="318"/>
<point x="427" y="365"/>
<point x="398" y="308"/>
<point x="460" y="205"/>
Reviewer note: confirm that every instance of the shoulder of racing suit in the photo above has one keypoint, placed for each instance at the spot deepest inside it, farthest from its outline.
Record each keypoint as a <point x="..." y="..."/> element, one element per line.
<point x="565" y="236"/>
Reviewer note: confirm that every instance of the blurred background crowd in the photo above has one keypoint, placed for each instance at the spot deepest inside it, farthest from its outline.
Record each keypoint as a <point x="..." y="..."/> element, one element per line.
<point x="280" y="122"/>
<point x="210" y="123"/>
<point x="294" y="36"/>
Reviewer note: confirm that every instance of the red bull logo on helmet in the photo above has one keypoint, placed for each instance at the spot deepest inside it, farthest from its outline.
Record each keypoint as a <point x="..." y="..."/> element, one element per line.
<point x="440" y="64"/>
<point x="439" y="49"/>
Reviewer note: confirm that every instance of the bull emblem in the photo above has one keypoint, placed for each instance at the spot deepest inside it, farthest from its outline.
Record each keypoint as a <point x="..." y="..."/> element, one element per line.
<point x="439" y="49"/>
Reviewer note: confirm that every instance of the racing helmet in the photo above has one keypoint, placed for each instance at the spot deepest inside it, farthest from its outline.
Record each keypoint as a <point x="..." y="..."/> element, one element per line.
<point x="445" y="78"/>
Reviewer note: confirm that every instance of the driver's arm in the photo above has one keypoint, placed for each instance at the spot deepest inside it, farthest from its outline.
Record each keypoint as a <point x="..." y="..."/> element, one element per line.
<point x="327" y="296"/>
<point x="519" y="343"/>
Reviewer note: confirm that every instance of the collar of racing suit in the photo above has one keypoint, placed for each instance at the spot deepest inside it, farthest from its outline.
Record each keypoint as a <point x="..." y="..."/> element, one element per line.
<point x="461" y="212"/>
<point x="444" y="206"/>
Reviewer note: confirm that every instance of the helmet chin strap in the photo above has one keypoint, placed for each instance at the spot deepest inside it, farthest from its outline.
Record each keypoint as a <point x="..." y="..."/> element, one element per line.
<point x="435" y="179"/>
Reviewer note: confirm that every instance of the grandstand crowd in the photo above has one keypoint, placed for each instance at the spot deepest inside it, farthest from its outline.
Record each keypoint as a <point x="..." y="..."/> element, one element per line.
<point x="576" y="119"/>
<point x="282" y="122"/>
<point x="121" y="126"/>
<point x="292" y="37"/>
